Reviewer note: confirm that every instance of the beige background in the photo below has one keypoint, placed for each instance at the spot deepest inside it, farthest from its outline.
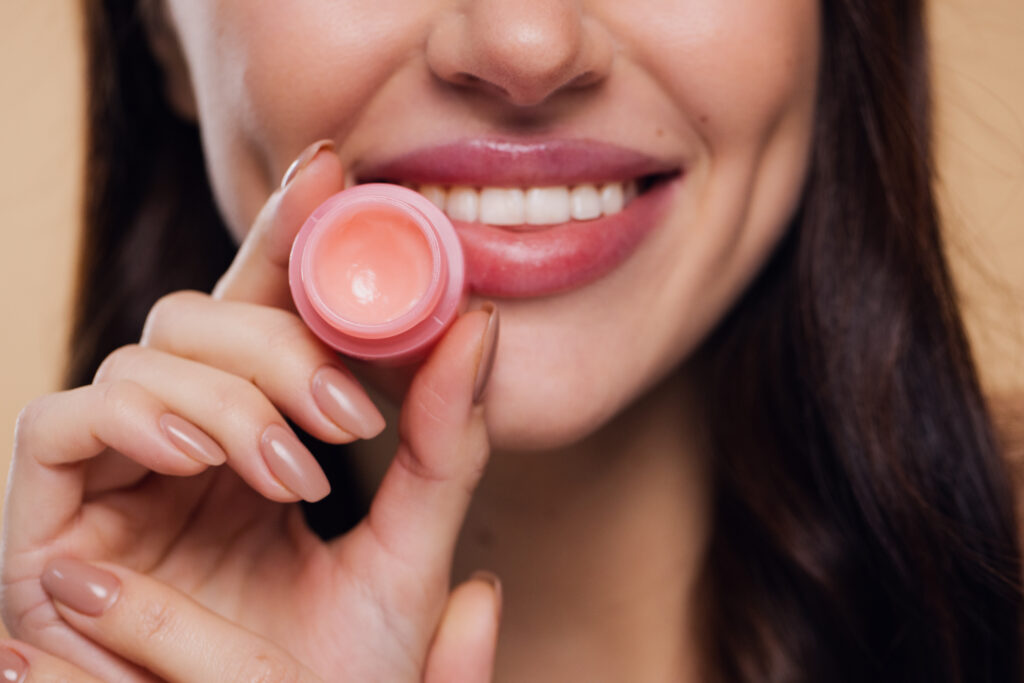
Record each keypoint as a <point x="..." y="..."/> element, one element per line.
<point x="980" y="79"/>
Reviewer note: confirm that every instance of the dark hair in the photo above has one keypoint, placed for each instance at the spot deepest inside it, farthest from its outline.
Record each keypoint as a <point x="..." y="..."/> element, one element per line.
<point x="864" y="525"/>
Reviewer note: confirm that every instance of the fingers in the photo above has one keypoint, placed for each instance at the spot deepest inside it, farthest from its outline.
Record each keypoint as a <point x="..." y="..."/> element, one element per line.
<point x="161" y="629"/>
<point x="273" y="350"/>
<point x="418" y="510"/>
<point x="260" y="446"/>
<point x="74" y="426"/>
<point x="25" y="664"/>
<point x="467" y="637"/>
<point x="259" y="273"/>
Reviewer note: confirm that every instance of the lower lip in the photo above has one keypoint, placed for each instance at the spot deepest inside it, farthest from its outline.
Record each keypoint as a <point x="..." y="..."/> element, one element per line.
<point x="514" y="263"/>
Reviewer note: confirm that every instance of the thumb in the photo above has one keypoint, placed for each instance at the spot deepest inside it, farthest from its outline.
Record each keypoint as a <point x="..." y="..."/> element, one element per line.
<point x="418" y="510"/>
<point x="464" y="646"/>
<point x="259" y="272"/>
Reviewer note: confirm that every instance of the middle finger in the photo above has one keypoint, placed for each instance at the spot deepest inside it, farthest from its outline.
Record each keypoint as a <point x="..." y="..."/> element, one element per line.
<point x="272" y="349"/>
<point x="259" y="445"/>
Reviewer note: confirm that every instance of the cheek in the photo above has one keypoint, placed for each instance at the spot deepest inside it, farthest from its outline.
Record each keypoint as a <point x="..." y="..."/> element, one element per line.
<point x="742" y="81"/>
<point x="271" y="78"/>
<point x="734" y="68"/>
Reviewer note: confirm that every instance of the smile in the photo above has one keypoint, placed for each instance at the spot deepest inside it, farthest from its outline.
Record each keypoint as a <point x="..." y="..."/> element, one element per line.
<point x="532" y="206"/>
<point x="538" y="218"/>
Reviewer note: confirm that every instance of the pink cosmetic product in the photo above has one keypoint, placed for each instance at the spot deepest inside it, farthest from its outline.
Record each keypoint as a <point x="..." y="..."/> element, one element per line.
<point x="377" y="272"/>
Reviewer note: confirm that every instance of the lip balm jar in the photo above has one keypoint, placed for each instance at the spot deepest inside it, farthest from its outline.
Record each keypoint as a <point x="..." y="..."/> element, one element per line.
<point x="377" y="272"/>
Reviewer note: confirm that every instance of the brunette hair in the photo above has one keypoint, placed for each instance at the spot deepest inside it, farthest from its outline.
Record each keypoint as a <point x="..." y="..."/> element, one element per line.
<point x="864" y="525"/>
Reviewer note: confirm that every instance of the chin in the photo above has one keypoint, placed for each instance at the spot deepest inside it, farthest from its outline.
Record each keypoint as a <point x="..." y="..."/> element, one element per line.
<point x="528" y="414"/>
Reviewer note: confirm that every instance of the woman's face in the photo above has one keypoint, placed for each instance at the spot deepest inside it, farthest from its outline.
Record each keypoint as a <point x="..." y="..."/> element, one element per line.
<point x="535" y="93"/>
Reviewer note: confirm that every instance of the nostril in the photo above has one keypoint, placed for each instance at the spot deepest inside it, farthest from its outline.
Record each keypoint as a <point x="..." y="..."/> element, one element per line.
<point x="584" y="79"/>
<point x="466" y="79"/>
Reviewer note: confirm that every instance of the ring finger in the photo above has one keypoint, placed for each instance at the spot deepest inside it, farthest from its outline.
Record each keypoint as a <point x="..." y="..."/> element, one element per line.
<point x="259" y="445"/>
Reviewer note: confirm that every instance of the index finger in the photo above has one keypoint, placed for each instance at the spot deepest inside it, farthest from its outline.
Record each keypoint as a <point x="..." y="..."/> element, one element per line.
<point x="259" y="272"/>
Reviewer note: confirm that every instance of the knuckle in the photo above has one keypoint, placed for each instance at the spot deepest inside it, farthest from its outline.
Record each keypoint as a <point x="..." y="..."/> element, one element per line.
<point x="265" y="665"/>
<point x="115" y="363"/>
<point x="241" y="403"/>
<point x="122" y="397"/>
<point x="156" y="620"/>
<point x="28" y="418"/>
<point x="432" y="402"/>
<point x="286" y="335"/>
<point x="234" y="394"/>
<point x="167" y="309"/>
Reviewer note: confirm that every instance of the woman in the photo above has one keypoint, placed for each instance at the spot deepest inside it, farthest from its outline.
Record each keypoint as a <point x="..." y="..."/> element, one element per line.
<point x="748" y="445"/>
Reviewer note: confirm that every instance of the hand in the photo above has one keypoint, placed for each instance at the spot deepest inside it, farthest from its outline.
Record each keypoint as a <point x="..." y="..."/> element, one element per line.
<point x="164" y="632"/>
<point x="124" y="471"/>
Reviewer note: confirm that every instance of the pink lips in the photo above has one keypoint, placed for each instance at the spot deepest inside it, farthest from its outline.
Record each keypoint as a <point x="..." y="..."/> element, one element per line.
<point x="505" y="262"/>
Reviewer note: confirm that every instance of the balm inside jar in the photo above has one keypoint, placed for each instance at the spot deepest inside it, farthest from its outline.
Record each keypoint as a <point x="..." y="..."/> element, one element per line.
<point x="370" y="269"/>
<point x="377" y="272"/>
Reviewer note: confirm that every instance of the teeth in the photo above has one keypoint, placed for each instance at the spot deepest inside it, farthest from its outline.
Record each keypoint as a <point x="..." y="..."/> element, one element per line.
<point x="500" y="206"/>
<point x="532" y="205"/>
<point x="629" y="194"/>
<point x="584" y="202"/>
<point x="612" y="198"/>
<point x="434" y="193"/>
<point x="462" y="204"/>
<point x="547" y="205"/>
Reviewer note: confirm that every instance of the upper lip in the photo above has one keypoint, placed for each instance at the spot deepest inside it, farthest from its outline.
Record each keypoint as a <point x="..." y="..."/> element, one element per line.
<point x="509" y="163"/>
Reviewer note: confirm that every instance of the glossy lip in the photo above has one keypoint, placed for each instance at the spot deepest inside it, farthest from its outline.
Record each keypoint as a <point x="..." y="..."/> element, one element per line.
<point x="504" y="263"/>
<point x="511" y="262"/>
<point x="487" y="162"/>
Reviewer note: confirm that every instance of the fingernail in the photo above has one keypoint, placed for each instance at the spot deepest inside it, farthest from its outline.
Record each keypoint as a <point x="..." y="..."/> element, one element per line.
<point x="293" y="464"/>
<point x="192" y="441"/>
<point x="81" y="586"/>
<point x="491" y="578"/>
<point x="488" y="345"/>
<point x="302" y="161"/>
<point x="12" y="665"/>
<point x="345" y="403"/>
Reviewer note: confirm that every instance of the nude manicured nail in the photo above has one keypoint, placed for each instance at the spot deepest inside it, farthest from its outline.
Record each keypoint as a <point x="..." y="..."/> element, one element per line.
<point x="488" y="346"/>
<point x="81" y="586"/>
<point x="293" y="464"/>
<point x="12" y="665"/>
<point x="192" y="441"/>
<point x="302" y="161"/>
<point x="345" y="403"/>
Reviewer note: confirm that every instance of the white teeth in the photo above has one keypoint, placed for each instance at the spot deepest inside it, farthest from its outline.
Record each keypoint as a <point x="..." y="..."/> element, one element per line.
<point x="532" y="205"/>
<point x="434" y="193"/>
<point x="630" y="192"/>
<point x="612" y="198"/>
<point x="547" y="205"/>
<point x="502" y="206"/>
<point x="584" y="202"/>
<point x="463" y="204"/>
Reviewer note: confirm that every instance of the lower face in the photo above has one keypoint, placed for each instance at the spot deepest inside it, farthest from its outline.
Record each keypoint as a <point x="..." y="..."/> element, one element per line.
<point x="718" y="95"/>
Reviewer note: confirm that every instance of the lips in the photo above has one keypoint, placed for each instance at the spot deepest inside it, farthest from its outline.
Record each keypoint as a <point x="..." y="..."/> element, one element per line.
<point x="507" y="261"/>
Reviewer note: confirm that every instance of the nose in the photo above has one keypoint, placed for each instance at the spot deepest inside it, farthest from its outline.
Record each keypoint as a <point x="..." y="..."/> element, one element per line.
<point x="523" y="51"/>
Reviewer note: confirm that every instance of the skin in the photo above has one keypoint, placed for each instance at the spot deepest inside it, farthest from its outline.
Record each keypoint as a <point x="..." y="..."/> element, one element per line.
<point x="576" y="490"/>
